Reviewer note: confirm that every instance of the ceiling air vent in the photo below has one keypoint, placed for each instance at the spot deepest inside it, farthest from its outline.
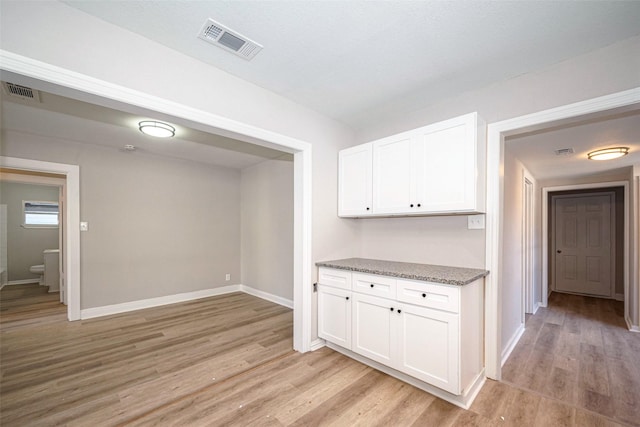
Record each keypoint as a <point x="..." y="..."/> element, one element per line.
<point x="22" y="92"/>
<point x="564" y="151"/>
<point x="221" y="36"/>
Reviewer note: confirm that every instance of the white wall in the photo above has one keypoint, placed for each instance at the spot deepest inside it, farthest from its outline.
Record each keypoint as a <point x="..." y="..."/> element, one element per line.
<point x="25" y="245"/>
<point x="123" y="58"/>
<point x="443" y="240"/>
<point x="611" y="69"/>
<point x="157" y="226"/>
<point x="118" y="56"/>
<point x="267" y="227"/>
<point x="512" y="246"/>
<point x="608" y="70"/>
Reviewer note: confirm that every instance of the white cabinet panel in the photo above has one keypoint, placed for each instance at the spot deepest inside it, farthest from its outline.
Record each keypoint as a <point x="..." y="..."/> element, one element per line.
<point x="336" y="278"/>
<point x="392" y="175"/>
<point x="334" y="315"/>
<point x="374" y="328"/>
<point x="432" y="295"/>
<point x="448" y="169"/>
<point x="429" y="346"/>
<point x="375" y="285"/>
<point x="355" y="181"/>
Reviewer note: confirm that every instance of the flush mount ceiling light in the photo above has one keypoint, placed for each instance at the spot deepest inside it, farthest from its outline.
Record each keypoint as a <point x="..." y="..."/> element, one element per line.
<point x="157" y="129"/>
<point x="608" y="153"/>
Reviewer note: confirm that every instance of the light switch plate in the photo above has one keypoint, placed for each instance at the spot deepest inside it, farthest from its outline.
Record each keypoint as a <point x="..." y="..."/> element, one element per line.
<point x="475" y="222"/>
<point x="84" y="226"/>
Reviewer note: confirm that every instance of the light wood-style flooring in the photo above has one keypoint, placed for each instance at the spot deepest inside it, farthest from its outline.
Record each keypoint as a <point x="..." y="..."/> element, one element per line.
<point x="218" y="361"/>
<point x="579" y="351"/>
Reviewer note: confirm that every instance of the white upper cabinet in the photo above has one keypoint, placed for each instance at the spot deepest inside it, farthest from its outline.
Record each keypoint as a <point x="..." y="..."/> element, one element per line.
<point x="393" y="178"/>
<point x="354" y="181"/>
<point x="436" y="169"/>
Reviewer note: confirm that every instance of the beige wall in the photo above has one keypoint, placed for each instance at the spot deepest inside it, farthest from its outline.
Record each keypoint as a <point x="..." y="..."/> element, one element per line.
<point x="267" y="227"/>
<point x="157" y="226"/>
<point x="25" y="245"/>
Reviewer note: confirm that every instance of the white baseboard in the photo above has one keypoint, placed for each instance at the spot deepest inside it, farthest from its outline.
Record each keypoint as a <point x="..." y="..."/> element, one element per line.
<point x="512" y="344"/>
<point x="22" y="282"/>
<point x="631" y="326"/>
<point x="536" y="306"/>
<point x="267" y="296"/>
<point x="317" y="344"/>
<point x="619" y="297"/>
<point x="107" y="310"/>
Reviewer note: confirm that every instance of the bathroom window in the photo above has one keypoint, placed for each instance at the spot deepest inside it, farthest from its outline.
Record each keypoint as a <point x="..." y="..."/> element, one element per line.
<point x="40" y="214"/>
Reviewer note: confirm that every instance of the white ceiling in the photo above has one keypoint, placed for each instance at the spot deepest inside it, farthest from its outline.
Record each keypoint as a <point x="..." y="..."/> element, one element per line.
<point x="536" y="150"/>
<point x="77" y="121"/>
<point x="360" y="61"/>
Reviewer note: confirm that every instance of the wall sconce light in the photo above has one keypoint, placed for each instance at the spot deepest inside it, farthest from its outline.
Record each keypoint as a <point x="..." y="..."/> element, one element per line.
<point x="608" y="153"/>
<point x="157" y="129"/>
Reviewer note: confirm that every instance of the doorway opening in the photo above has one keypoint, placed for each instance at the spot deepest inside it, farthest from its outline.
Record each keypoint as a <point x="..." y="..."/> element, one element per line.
<point x="67" y="178"/>
<point x="33" y="231"/>
<point x="586" y="242"/>
<point x="605" y="106"/>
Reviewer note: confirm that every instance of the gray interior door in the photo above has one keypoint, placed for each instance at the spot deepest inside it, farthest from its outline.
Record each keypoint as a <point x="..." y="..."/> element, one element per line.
<point x="584" y="244"/>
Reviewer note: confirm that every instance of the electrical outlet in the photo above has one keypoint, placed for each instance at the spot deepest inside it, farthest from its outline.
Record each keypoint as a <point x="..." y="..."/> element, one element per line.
<point x="227" y="277"/>
<point x="475" y="222"/>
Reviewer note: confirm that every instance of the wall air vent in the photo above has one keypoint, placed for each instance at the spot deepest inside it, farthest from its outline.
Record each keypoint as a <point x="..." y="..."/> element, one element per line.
<point x="221" y="36"/>
<point x="564" y="151"/>
<point x="23" y="92"/>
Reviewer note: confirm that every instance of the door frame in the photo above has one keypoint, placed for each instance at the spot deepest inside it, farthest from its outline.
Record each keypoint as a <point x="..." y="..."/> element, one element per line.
<point x="496" y="134"/>
<point x="71" y="84"/>
<point x="71" y="215"/>
<point x="546" y="225"/>
<point x="528" y="238"/>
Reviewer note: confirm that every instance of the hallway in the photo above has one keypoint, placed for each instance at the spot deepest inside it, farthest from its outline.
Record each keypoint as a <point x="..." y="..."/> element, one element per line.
<point x="578" y="350"/>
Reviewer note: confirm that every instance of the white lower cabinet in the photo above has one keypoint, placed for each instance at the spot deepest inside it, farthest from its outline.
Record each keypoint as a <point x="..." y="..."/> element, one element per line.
<point x="428" y="346"/>
<point x="334" y="324"/>
<point x="374" y="328"/>
<point x="437" y="339"/>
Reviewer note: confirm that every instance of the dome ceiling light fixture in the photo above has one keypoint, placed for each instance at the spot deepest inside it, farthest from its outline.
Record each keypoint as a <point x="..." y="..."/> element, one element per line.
<point x="608" y="153"/>
<point x="157" y="129"/>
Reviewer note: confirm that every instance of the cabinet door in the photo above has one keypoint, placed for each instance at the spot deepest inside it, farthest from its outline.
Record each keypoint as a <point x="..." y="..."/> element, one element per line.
<point x="375" y="328"/>
<point x="355" y="181"/>
<point x="392" y="175"/>
<point x="445" y="163"/>
<point x="334" y="315"/>
<point x="429" y="346"/>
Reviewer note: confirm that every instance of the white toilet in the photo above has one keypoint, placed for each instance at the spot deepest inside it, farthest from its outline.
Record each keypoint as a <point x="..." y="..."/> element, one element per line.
<point x="49" y="271"/>
<point x="39" y="270"/>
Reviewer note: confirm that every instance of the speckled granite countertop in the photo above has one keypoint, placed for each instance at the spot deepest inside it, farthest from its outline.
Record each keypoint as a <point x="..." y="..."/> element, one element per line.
<point x="425" y="272"/>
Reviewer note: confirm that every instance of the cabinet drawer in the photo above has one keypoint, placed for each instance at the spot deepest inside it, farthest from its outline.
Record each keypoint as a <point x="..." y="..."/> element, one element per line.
<point x="371" y="284"/>
<point x="336" y="278"/>
<point x="425" y="294"/>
